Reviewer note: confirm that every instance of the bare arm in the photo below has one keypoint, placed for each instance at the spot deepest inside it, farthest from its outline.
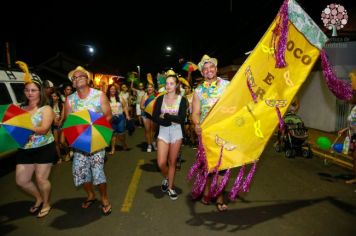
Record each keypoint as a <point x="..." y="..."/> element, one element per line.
<point x="142" y="103"/>
<point x="105" y="107"/>
<point x="47" y="120"/>
<point x="132" y="87"/>
<point x="196" y="114"/>
<point x="61" y="118"/>
<point x="124" y="108"/>
<point x="66" y="108"/>
<point x="342" y="131"/>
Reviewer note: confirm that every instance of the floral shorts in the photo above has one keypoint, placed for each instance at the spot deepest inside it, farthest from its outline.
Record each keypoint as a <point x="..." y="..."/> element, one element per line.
<point x="88" y="168"/>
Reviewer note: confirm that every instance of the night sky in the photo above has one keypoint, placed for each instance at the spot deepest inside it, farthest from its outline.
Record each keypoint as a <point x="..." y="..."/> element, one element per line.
<point x="127" y="34"/>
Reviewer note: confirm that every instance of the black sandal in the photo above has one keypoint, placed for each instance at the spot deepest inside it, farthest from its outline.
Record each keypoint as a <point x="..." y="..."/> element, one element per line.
<point x="106" y="212"/>
<point x="88" y="203"/>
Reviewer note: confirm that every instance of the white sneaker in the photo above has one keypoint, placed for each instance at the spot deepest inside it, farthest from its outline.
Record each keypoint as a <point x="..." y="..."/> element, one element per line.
<point x="172" y="194"/>
<point x="149" y="148"/>
<point x="154" y="146"/>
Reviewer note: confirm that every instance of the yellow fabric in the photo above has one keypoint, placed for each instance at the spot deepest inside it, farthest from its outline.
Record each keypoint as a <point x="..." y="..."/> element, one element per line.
<point x="353" y="79"/>
<point x="98" y="142"/>
<point x="84" y="114"/>
<point x="243" y="127"/>
<point x="23" y="121"/>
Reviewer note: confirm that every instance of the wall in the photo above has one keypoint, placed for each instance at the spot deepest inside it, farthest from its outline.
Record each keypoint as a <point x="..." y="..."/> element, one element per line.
<point x="317" y="103"/>
<point x="319" y="108"/>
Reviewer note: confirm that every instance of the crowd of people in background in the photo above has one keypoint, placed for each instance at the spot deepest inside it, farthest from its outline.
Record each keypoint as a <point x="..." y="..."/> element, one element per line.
<point x="127" y="102"/>
<point x="49" y="106"/>
<point x="174" y="120"/>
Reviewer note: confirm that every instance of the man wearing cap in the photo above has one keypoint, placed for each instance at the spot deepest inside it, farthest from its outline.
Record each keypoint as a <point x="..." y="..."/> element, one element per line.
<point x="88" y="168"/>
<point x="204" y="98"/>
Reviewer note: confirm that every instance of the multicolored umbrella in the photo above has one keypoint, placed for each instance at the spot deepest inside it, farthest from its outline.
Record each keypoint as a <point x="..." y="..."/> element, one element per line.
<point x="87" y="131"/>
<point x="15" y="127"/>
<point x="150" y="102"/>
<point x="190" y="66"/>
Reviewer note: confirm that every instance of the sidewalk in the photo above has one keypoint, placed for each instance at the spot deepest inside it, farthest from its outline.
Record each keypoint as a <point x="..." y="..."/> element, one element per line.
<point x="328" y="155"/>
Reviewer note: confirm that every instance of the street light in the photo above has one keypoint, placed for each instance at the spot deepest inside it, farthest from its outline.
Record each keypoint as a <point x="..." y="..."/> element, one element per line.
<point x="91" y="51"/>
<point x="170" y="52"/>
<point x="139" y="72"/>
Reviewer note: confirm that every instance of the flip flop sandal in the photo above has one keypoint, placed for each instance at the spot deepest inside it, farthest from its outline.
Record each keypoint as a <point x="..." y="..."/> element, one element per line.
<point x="35" y="209"/>
<point x="205" y="200"/>
<point x="106" y="212"/>
<point x="221" y="206"/>
<point x="88" y="203"/>
<point x="44" y="212"/>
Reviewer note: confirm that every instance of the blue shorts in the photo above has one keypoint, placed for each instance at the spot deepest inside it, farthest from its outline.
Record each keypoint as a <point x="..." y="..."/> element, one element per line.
<point x="118" y="124"/>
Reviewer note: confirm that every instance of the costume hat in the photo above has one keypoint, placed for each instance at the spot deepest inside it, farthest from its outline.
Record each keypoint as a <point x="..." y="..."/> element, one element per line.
<point x="79" y="68"/>
<point x="28" y="78"/>
<point x="206" y="59"/>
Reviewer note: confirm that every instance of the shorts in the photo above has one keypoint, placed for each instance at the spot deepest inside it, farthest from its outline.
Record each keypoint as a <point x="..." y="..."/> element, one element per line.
<point x="138" y="110"/>
<point x="88" y="168"/>
<point x="118" y="124"/>
<point x="170" y="134"/>
<point x="41" y="155"/>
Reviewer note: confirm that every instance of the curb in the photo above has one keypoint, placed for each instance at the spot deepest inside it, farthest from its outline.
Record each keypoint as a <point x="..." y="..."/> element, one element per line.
<point x="337" y="158"/>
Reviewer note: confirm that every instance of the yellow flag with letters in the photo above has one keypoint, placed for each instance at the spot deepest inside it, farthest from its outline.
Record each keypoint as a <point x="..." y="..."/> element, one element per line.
<point x="242" y="121"/>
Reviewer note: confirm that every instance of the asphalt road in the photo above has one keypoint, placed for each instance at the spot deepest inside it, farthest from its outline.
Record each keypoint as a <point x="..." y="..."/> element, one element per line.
<point x="287" y="197"/>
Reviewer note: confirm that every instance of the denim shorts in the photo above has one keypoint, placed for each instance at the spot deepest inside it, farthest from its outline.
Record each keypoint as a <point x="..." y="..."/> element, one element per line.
<point x="118" y="124"/>
<point x="170" y="134"/>
<point x="138" y="110"/>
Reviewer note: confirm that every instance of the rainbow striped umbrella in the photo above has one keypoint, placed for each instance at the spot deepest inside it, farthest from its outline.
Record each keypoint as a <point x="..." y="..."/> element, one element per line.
<point x="150" y="103"/>
<point x="87" y="131"/>
<point x="15" y="127"/>
<point x="190" y="66"/>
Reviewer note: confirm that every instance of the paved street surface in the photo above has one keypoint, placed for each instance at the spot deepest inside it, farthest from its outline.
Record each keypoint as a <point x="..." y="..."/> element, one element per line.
<point x="287" y="197"/>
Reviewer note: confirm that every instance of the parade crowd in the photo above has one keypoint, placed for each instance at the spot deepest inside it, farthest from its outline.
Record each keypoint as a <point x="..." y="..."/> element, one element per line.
<point x="174" y="119"/>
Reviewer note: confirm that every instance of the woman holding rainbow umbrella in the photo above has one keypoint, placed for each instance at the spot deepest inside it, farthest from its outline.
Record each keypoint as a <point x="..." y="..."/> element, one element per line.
<point x="39" y="153"/>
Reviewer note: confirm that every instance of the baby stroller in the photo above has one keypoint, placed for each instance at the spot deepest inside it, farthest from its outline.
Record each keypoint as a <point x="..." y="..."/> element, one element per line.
<point x="292" y="140"/>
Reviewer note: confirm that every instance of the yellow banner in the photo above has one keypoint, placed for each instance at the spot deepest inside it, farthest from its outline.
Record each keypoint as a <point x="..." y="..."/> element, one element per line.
<point x="243" y="127"/>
